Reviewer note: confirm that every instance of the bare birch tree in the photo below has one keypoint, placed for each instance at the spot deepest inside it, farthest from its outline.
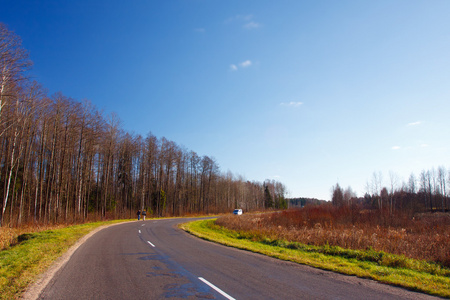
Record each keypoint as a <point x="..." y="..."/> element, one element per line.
<point x="14" y="62"/>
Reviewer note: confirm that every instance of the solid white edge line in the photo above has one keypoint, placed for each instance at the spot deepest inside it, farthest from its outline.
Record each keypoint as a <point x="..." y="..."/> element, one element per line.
<point x="217" y="289"/>
<point x="151" y="244"/>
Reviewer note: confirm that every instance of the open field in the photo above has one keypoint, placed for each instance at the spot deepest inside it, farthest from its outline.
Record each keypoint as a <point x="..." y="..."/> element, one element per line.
<point x="265" y="234"/>
<point x="423" y="236"/>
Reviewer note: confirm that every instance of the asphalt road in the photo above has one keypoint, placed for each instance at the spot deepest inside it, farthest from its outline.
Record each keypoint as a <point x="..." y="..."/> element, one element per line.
<point x="154" y="259"/>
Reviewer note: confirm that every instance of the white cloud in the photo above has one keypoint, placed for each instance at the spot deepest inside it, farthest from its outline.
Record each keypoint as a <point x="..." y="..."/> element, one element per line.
<point x="245" y="64"/>
<point x="200" y="30"/>
<point x="247" y="21"/>
<point x="252" y="25"/>
<point x="233" y="67"/>
<point x="291" y="104"/>
<point x="424" y="145"/>
<point x="395" y="148"/>
<point x="415" y="123"/>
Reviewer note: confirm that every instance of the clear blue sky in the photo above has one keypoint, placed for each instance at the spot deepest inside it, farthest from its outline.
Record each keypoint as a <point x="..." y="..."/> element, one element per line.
<point x="310" y="93"/>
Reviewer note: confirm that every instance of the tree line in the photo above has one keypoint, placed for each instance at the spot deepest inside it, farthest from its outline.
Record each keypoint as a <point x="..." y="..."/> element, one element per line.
<point x="61" y="160"/>
<point x="427" y="192"/>
<point x="304" y="201"/>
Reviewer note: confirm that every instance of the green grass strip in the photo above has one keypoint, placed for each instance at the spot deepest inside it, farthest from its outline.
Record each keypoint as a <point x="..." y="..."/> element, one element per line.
<point x="387" y="268"/>
<point x="21" y="264"/>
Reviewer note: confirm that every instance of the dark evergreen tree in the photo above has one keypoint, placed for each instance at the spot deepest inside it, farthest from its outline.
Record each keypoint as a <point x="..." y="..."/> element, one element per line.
<point x="268" y="200"/>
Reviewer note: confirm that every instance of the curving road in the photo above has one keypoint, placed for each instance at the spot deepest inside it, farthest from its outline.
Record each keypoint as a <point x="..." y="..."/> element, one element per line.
<point x="154" y="259"/>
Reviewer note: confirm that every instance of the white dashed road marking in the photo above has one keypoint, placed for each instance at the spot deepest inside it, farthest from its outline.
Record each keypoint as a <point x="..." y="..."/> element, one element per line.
<point x="217" y="289"/>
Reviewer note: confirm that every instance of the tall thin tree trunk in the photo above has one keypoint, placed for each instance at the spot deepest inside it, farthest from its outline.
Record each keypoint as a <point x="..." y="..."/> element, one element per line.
<point x="5" y="200"/>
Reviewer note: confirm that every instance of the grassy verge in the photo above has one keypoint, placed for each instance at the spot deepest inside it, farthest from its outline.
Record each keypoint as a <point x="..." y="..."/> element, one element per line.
<point x="33" y="254"/>
<point x="392" y="269"/>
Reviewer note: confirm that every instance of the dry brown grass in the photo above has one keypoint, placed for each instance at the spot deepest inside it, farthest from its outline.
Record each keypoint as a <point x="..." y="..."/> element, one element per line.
<point x="424" y="237"/>
<point x="10" y="233"/>
<point x="10" y="236"/>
